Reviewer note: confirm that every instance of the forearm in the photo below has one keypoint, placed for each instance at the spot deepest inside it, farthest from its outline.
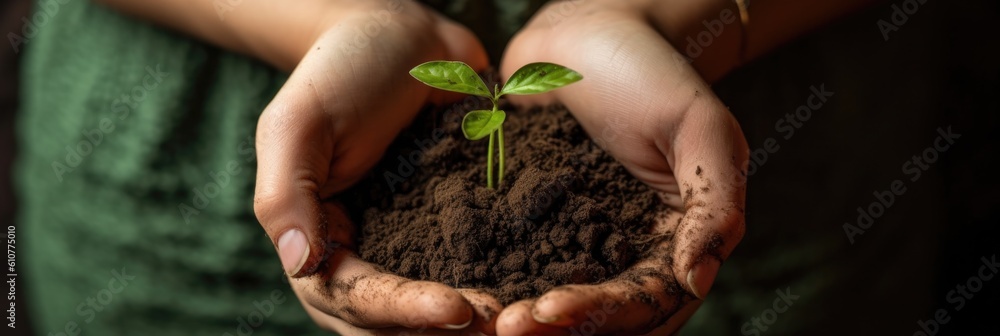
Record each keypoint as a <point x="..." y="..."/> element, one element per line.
<point x="278" y="32"/>
<point x="772" y="23"/>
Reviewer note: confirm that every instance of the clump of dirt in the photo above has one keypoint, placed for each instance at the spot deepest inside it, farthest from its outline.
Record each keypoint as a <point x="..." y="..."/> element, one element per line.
<point x="566" y="212"/>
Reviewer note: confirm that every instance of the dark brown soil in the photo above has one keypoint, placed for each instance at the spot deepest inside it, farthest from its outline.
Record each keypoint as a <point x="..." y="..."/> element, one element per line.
<point x="566" y="212"/>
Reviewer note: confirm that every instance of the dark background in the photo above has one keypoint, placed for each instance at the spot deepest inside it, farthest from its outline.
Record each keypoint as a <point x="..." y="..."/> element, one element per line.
<point x="11" y="12"/>
<point x="939" y="69"/>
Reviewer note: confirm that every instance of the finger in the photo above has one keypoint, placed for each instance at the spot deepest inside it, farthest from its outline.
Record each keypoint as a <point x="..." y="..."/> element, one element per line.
<point x="636" y="302"/>
<point x="293" y="155"/>
<point x="340" y="230"/>
<point x="364" y="296"/>
<point x="516" y="320"/>
<point x="709" y="158"/>
<point x="486" y="309"/>
<point x="331" y="323"/>
<point x="418" y="332"/>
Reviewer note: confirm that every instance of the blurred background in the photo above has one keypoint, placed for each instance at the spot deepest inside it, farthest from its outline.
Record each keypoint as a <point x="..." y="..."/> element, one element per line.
<point x="11" y="13"/>
<point x="891" y="101"/>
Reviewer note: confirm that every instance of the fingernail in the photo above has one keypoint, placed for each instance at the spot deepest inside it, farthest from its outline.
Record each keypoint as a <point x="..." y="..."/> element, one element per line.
<point x="701" y="277"/>
<point x="541" y="318"/>
<point x="293" y="250"/>
<point x="457" y="326"/>
<point x="544" y="319"/>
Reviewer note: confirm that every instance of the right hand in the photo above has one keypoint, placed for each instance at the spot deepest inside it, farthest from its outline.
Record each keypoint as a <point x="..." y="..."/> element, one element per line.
<point x="342" y="106"/>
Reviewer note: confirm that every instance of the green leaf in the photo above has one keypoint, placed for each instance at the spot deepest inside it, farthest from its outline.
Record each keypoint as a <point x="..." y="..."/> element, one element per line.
<point x="539" y="77"/>
<point x="478" y="124"/>
<point x="451" y="76"/>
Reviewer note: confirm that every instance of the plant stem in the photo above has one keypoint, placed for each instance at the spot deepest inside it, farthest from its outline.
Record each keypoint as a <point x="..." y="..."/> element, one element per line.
<point x="500" y="138"/>
<point x="489" y="162"/>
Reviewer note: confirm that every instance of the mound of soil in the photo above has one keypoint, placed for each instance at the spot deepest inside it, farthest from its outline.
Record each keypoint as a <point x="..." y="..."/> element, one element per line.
<point x="566" y="212"/>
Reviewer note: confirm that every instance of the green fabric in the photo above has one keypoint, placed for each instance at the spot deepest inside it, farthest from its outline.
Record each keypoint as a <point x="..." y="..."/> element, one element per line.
<point x="117" y="210"/>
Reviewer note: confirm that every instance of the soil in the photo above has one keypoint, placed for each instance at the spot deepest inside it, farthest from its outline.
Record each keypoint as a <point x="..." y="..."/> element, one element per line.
<point x="565" y="213"/>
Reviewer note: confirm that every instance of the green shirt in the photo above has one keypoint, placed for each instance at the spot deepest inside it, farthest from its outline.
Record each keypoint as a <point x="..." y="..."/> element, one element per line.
<point x="136" y="176"/>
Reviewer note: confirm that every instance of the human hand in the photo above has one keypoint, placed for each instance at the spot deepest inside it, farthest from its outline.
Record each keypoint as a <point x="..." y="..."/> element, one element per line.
<point x="328" y="125"/>
<point x="651" y="110"/>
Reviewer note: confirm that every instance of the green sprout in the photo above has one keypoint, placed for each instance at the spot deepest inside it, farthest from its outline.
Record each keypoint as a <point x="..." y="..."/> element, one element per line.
<point x="533" y="78"/>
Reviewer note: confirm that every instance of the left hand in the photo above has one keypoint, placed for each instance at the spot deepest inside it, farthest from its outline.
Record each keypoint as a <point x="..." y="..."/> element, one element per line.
<point x="328" y="125"/>
<point x="653" y="112"/>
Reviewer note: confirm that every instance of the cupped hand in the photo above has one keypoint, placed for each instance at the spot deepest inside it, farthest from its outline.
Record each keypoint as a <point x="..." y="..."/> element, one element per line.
<point x="644" y="103"/>
<point x="329" y="124"/>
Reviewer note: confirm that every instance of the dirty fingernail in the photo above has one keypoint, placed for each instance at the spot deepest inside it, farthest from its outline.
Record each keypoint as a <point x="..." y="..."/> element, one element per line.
<point x="541" y="318"/>
<point x="701" y="277"/>
<point x="544" y="319"/>
<point x="293" y="250"/>
<point x="457" y="326"/>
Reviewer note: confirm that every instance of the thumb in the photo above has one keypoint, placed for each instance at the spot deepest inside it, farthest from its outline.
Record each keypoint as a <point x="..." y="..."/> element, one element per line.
<point x="709" y="158"/>
<point x="293" y="159"/>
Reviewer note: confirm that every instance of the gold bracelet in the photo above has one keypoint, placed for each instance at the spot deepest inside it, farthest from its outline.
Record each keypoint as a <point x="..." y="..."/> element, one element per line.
<point x="744" y="8"/>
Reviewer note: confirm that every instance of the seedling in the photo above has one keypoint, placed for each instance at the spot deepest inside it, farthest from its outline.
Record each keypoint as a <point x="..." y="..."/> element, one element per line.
<point x="533" y="78"/>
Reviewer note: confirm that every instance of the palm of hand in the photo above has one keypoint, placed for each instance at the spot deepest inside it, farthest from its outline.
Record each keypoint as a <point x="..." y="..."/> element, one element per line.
<point x="650" y="110"/>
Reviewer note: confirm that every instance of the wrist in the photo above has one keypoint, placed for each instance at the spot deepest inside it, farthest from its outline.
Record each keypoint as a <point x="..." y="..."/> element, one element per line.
<point x="295" y="27"/>
<point x="279" y="33"/>
<point x="365" y="21"/>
